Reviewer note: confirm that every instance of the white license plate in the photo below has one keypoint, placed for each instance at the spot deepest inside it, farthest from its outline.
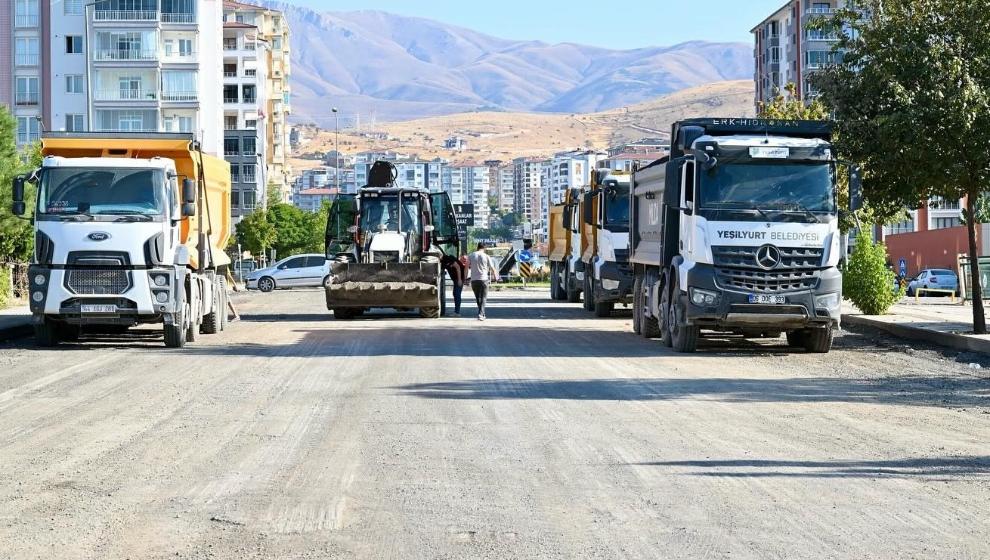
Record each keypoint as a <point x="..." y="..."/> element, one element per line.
<point x="102" y="309"/>
<point x="767" y="300"/>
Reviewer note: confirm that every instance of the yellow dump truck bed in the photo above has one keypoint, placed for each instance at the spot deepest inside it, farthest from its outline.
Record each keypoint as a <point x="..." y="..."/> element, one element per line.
<point x="180" y="148"/>
<point x="558" y="237"/>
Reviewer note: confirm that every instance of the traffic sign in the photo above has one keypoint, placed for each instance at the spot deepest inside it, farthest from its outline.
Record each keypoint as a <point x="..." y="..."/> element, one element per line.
<point x="902" y="265"/>
<point x="525" y="256"/>
<point x="465" y="215"/>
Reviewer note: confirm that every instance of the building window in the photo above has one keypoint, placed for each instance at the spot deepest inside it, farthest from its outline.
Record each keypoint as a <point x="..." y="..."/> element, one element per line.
<point x="230" y="94"/>
<point x="943" y="223"/>
<point x="26" y="93"/>
<point x="179" y="85"/>
<point x="235" y="173"/>
<point x="73" y="7"/>
<point x="74" y="123"/>
<point x="235" y="199"/>
<point x="906" y="226"/>
<point x="74" y="83"/>
<point x="230" y="122"/>
<point x="939" y="203"/>
<point x="247" y="172"/>
<point x="231" y="147"/>
<point x="248" y="147"/>
<point x="26" y="13"/>
<point x="73" y="44"/>
<point x="248" y="199"/>
<point x="230" y="43"/>
<point x="250" y="94"/>
<point x="26" y="51"/>
<point x="28" y="130"/>
<point x="250" y="123"/>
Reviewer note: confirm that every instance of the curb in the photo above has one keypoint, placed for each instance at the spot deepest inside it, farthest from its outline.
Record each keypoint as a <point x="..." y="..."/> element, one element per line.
<point x="950" y="340"/>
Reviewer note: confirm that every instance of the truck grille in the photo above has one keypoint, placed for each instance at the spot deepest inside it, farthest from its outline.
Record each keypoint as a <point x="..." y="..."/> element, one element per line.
<point x="98" y="275"/>
<point x="737" y="267"/>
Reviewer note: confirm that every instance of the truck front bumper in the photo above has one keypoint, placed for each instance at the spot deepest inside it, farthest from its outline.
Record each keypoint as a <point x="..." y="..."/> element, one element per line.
<point x="732" y="310"/>
<point x="616" y="283"/>
<point x="51" y="296"/>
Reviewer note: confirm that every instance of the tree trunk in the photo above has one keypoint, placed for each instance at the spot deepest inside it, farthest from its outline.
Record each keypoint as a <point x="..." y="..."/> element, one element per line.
<point x="979" y="318"/>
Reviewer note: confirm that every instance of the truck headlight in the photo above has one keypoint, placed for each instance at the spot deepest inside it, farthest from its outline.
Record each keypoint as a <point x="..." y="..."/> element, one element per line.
<point x="610" y="284"/>
<point x="703" y="297"/>
<point x="828" y="301"/>
<point x="161" y="297"/>
<point x="160" y="280"/>
<point x="38" y="297"/>
<point x="39" y="279"/>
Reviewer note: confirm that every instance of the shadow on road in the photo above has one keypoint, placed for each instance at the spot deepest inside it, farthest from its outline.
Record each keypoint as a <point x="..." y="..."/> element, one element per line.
<point x="913" y="467"/>
<point x="905" y="390"/>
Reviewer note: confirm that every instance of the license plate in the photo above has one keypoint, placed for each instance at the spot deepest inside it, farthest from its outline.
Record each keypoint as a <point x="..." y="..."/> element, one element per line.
<point x="767" y="300"/>
<point x="103" y="309"/>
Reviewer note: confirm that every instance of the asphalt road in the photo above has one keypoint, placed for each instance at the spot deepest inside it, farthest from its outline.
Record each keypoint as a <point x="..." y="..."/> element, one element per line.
<point x="541" y="433"/>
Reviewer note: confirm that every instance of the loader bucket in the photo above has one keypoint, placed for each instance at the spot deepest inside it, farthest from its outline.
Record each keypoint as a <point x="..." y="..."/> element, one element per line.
<point x="395" y="285"/>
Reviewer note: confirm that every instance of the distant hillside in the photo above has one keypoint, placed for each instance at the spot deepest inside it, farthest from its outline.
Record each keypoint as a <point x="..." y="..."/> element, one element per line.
<point x="403" y="67"/>
<point x="504" y="136"/>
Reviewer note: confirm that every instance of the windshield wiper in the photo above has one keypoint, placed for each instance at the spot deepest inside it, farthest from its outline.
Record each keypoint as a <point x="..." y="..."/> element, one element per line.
<point x="743" y="207"/>
<point x="798" y="207"/>
<point x="73" y="216"/>
<point x="135" y="218"/>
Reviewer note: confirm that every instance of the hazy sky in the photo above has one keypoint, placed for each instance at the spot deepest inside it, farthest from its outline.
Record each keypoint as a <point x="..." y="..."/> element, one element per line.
<point x="622" y="24"/>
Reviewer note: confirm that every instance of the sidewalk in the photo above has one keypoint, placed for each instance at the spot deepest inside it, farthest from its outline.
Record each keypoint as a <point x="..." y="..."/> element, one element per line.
<point x="932" y="320"/>
<point x="15" y="322"/>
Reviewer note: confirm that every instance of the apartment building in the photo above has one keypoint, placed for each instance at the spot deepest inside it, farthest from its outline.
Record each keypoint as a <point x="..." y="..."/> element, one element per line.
<point x="527" y="188"/>
<point x="786" y="51"/>
<point x="256" y="69"/>
<point x="469" y="184"/>
<point x="505" y="191"/>
<point x="245" y="144"/>
<point x="566" y="170"/>
<point x="113" y="65"/>
<point x="411" y="172"/>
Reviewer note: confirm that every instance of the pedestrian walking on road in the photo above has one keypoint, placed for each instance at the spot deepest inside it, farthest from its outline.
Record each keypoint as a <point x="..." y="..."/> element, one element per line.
<point x="457" y="270"/>
<point x="482" y="272"/>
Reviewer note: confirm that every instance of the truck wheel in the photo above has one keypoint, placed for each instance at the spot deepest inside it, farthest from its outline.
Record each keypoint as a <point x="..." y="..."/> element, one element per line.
<point x="818" y="340"/>
<point x="69" y="333"/>
<point x="343" y="314"/>
<point x="266" y="284"/>
<point x="649" y="325"/>
<point x="638" y="305"/>
<point x="589" y="293"/>
<point x="443" y="294"/>
<point x="46" y="334"/>
<point x="683" y="338"/>
<point x="175" y="335"/>
<point x="192" y="329"/>
<point x="573" y="292"/>
<point x="795" y="339"/>
<point x="554" y="283"/>
<point x="604" y="309"/>
<point x="211" y="321"/>
<point x="224" y="299"/>
<point x="664" y="322"/>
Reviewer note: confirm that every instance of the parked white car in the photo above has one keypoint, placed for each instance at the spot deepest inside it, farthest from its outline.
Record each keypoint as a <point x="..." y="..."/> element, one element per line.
<point x="934" y="279"/>
<point x="293" y="272"/>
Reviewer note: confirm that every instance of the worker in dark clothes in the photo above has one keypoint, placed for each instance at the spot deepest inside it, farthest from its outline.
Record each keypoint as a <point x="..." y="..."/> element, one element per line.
<point x="457" y="271"/>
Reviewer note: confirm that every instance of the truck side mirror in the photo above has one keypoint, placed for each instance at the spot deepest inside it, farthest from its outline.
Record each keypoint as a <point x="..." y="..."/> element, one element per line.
<point x="18" y="206"/>
<point x="855" y="188"/>
<point x="588" y="209"/>
<point x="188" y="191"/>
<point x="567" y="217"/>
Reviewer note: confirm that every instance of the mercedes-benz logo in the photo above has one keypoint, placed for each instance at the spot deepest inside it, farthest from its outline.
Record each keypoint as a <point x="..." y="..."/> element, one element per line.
<point x="767" y="257"/>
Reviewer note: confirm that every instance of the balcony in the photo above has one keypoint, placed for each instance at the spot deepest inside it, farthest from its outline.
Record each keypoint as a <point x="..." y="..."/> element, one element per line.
<point x="26" y="99"/>
<point x="124" y="95"/>
<point x="26" y="60"/>
<point x="178" y="18"/>
<point x="819" y="11"/>
<point x="124" y="55"/>
<point x="180" y="96"/>
<point x="231" y="100"/>
<point x="125" y="15"/>
<point x="26" y="20"/>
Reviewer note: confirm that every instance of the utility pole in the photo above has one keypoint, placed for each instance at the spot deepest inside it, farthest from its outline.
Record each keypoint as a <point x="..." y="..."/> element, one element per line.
<point x="336" y="149"/>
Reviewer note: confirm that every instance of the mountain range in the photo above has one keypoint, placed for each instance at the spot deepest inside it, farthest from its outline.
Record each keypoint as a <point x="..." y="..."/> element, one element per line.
<point x="397" y="68"/>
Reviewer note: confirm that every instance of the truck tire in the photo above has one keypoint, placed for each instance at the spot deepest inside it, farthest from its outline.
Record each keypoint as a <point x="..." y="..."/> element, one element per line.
<point x="192" y="329"/>
<point x="429" y="312"/>
<point x="554" y="286"/>
<point x="46" y="334"/>
<point x="649" y="325"/>
<point x="664" y="325"/>
<point x="224" y="301"/>
<point x="443" y="294"/>
<point x="795" y="339"/>
<point x="604" y="309"/>
<point x="589" y="293"/>
<point x="344" y="314"/>
<point x="638" y="305"/>
<point x="683" y="338"/>
<point x="818" y="340"/>
<point x="175" y="335"/>
<point x="573" y="292"/>
<point x="211" y="321"/>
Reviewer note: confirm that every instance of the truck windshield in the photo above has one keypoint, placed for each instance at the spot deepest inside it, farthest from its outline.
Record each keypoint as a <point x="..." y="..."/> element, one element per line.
<point x="384" y="213"/>
<point x="617" y="206"/>
<point x="801" y="187"/>
<point x="66" y="191"/>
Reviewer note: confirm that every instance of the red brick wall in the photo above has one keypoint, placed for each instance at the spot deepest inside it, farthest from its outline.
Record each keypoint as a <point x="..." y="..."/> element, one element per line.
<point x="937" y="248"/>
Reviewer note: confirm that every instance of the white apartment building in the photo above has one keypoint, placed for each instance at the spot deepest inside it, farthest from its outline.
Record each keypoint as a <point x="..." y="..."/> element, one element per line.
<point x="245" y="143"/>
<point x="527" y="189"/>
<point x="469" y="184"/>
<point x="115" y="65"/>
<point x="505" y="190"/>
<point x="565" y="170"/>
<point x="411" y="173"/>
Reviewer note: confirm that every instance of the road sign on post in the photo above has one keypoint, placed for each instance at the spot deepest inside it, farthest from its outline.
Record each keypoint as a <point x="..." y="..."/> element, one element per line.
<point x="902" y="266"/>
<point x="465" y="216"/>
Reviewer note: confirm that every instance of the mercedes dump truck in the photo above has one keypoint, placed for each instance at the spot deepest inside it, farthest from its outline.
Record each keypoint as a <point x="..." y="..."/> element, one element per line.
<point x="129" y="229"/>
<point x="608" y="276"/>
<point x="564" y="248"/>
<point x="737" y="232"/>
<point x="386" y="245"/>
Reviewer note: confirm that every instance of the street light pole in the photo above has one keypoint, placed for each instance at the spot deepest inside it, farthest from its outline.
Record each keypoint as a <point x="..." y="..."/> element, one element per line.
<point x="336" y="149"/>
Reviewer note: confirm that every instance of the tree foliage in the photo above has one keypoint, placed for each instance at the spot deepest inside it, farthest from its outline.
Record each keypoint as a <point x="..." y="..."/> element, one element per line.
<point x="16" y="234"/>
<point x="912" y="101"/>
<point x="787" y="105"/>
<point x="255" y="233"/>
<point x="285" y="228"/>
<point x="866" y="281"/>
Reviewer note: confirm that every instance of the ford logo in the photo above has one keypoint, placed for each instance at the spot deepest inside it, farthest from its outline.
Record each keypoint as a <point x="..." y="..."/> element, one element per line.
<point x="98" y="236"/>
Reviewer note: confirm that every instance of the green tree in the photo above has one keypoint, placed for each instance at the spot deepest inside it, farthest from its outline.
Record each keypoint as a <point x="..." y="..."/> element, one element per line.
<point x="789" y="106"/>
<point x="912" y="101"/>
<point x="16" y="233"/>
<point x="293" y="227"/>
<point x="866" y="281"/>
<point x="255" y="233"/>
<point x="511" y="219"/>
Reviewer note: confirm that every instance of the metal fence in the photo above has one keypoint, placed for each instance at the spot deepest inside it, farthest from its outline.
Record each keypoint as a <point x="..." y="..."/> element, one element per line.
<point x="965" y="270"/>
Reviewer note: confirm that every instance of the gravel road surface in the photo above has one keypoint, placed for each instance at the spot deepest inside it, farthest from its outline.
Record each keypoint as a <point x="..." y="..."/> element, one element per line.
<point x="541" y="433"/>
